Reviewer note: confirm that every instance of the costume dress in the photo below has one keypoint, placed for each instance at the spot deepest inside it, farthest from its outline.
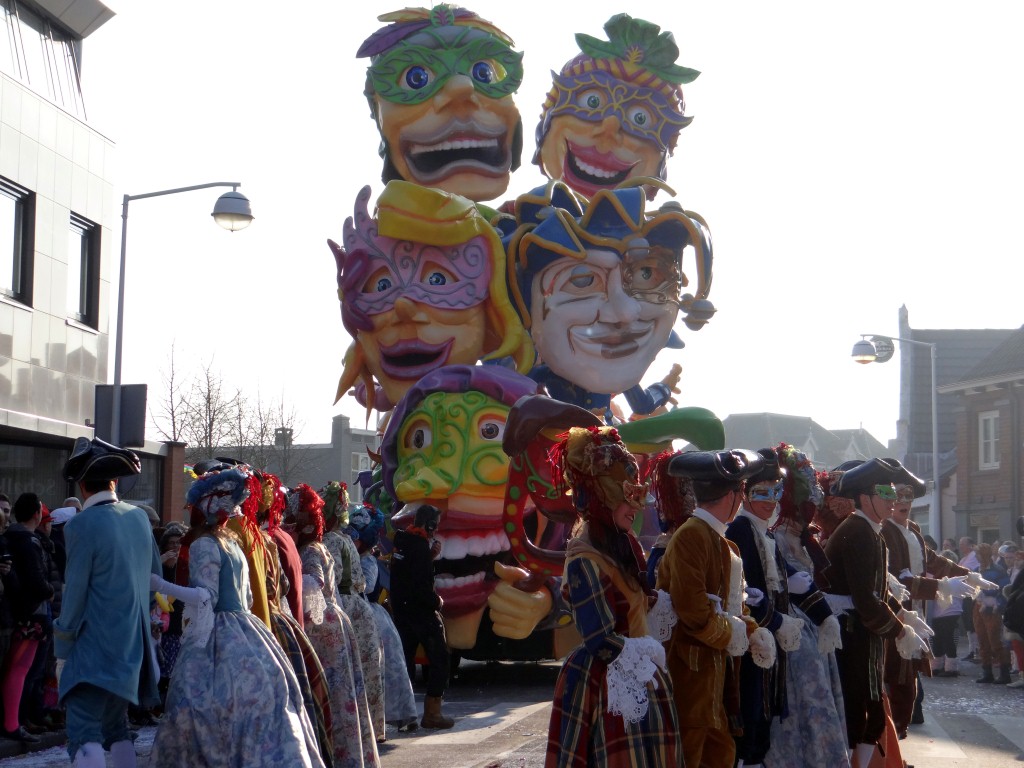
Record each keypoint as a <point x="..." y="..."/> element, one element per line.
<point x="908" y="553"/>
<point x="699" y="561"/>
<point x="858" y="561"/>
<point x="255" y="551"/>
<point x="234" y="699"/>
<point x="607" y="609"/>
<point x="315" y="696"/>
<point x="814" y="734"/>
<point x="331" y="633"/>
<point x="351" y="584"/>
<point x="399" y="699"/>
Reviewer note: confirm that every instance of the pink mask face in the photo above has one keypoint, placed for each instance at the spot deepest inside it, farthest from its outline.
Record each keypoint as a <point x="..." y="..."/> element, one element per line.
<point x="444" y="277"/>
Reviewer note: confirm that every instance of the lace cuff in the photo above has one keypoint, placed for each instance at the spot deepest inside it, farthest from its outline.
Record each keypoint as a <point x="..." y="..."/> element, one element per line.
<point x="661" y="618"/>
<point x="629" y="674"/>
<point x="738" y="643"/>
<point x="313" y="602"/>
<point x="198" y="619"/>
<point x="762" y="648"/>
<point x="829" y="636"/>
<point x="788" y="633"/>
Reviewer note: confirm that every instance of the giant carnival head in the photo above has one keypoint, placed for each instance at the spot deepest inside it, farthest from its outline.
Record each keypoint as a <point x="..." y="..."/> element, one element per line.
<point x="443" y="447"/>
<point x="614" y="111"/>
<point x="422" y="285"/>
<point x="440" y="85"/>
<point x="600" y="288"/>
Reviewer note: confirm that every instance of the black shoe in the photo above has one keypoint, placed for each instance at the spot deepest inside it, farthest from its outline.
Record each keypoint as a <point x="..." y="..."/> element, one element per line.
<point x="917" y="718"/>
<point x="19" y="735"/>
<point x="969" y="657"/>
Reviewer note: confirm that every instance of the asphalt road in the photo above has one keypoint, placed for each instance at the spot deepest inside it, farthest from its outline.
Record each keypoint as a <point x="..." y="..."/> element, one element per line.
<point x="502" y="714"/>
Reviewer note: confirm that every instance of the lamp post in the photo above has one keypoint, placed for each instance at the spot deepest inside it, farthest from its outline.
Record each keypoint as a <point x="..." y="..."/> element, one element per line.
<point x="864" y="352"/>
<point x="231" y="211"/>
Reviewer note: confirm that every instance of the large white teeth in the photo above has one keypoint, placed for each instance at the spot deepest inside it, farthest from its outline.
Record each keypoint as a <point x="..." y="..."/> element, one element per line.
<point x="450" y="582"/>
<point x="591" y="170"/>
<point x="444" y="146"/>
<point x="456" y="547"/>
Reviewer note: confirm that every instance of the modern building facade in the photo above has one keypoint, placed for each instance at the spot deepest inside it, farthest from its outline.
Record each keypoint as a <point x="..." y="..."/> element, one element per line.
<point x="57" y="251"/>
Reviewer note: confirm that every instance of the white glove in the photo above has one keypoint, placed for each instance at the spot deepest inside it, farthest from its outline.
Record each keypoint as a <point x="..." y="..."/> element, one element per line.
<point x="187" y="595"/>
<point x="909" y="645"/>
<point x="738" y="643"/>
<point x="788" y="634"/>
<point x="800" y="583"/>
<point x="716" y="602"/>
<point x="829" y="636"/>
<point x="906" y="574"/>
<point x="975" y="580"/>
<point x="754" y="597"/>
<point x="900" y="593"/>
<point x="762" y="648"/>
<point x="957" y="587"/>
<point x="912" y="619"/>
<point x="839" y="603"/>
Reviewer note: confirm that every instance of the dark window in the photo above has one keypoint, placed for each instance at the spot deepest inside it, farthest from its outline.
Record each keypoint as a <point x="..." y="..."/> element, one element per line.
<point x="17" y="209"/>
<point x="83" y="270"/>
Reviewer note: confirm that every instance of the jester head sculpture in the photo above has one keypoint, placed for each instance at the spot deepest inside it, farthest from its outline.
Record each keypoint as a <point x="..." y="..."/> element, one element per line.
<point x="422" y="285"/>
<point x="600" y="289"/>
<point x="440" y="85"/>
<point x="443" y="447"/>
<point x="614" y="111"/>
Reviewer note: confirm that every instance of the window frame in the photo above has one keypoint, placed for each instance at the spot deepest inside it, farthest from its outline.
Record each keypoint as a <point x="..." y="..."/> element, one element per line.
<point x="87" y="311"/>
<point x="23" y="243"/>
<point x="991" y="461"/>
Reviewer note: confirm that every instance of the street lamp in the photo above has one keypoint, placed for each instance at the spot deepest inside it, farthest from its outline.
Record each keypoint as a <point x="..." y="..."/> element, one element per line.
<point x="864" y="352"/>
<point x="231" y="211"/>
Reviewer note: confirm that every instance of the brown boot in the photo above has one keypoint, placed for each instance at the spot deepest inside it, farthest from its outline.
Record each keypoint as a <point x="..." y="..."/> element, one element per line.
<point x="432" y="717"/>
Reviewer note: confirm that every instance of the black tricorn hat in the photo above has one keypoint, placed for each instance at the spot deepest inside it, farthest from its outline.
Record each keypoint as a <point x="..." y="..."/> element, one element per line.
<point x="211" y="465"/>
<point x="716" y="467"/>
<point x="771" y="471"/>
<point x="863" y="477"/>
<point x="910" y="480"/>
<point x="99" y="461"/>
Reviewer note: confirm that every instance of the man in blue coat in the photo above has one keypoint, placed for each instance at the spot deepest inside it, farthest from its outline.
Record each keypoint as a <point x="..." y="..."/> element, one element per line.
<point x="103" y="632"/>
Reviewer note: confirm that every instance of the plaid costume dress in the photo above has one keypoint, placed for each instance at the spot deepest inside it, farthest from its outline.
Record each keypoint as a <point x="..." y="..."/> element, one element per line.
<point x="582" y="733"/>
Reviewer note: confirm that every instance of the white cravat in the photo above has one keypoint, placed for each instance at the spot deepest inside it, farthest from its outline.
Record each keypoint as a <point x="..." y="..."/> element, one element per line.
<point x="766" y="549"/>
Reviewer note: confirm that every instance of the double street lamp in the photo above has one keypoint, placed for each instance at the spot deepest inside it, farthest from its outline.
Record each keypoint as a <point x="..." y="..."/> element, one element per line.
<point x="864" y="352"/>
<point x="231" y="211"/>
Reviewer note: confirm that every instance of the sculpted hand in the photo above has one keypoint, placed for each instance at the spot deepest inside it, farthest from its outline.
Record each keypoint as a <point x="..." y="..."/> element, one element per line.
<point x="671" y="380"/>
<point x="517" y="604"/>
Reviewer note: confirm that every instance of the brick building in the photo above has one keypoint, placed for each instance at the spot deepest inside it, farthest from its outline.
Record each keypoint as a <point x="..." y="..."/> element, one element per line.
<point x="989" y="430"/>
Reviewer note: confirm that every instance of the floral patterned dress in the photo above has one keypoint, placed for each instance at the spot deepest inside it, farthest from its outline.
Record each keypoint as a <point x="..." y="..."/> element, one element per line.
<point x="332" y="635"/>
<point x="399" y="699"/>
<point x="351" y="584"/>
<point x="814" y="732"/>
<point x="234" y="700"/>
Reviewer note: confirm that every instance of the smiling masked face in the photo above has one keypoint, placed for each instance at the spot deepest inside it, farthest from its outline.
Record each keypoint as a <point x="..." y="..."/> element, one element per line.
<point x="426" y="304"/>
<point x="450" y="456"/>
<point x="600" y="322"/>
<point x="603" y="131"/>
<point x="444" y="108"/>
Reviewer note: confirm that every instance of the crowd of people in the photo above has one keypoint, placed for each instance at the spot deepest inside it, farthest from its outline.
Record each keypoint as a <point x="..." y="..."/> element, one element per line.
<point x="780" y="620"/>
<point x="260" y="616"/>
<point x="784" y="617"/>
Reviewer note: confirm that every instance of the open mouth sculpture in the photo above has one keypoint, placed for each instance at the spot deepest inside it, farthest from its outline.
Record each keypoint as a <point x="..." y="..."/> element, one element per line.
<point x="409" y="360"/>
<point x="588" y="170"/>
<point x="458" y="147"/>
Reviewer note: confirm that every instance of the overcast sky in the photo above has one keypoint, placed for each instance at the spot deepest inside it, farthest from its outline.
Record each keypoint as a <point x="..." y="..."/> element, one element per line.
<point x="849" y="158"/>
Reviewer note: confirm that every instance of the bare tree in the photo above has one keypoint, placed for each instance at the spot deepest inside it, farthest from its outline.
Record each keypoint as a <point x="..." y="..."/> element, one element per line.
<point x="214" y="421"/>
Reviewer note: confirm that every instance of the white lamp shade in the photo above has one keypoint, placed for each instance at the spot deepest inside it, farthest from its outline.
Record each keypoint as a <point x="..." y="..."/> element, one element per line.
<point x="864" y="352"/>
<point x="232" y="211"/>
